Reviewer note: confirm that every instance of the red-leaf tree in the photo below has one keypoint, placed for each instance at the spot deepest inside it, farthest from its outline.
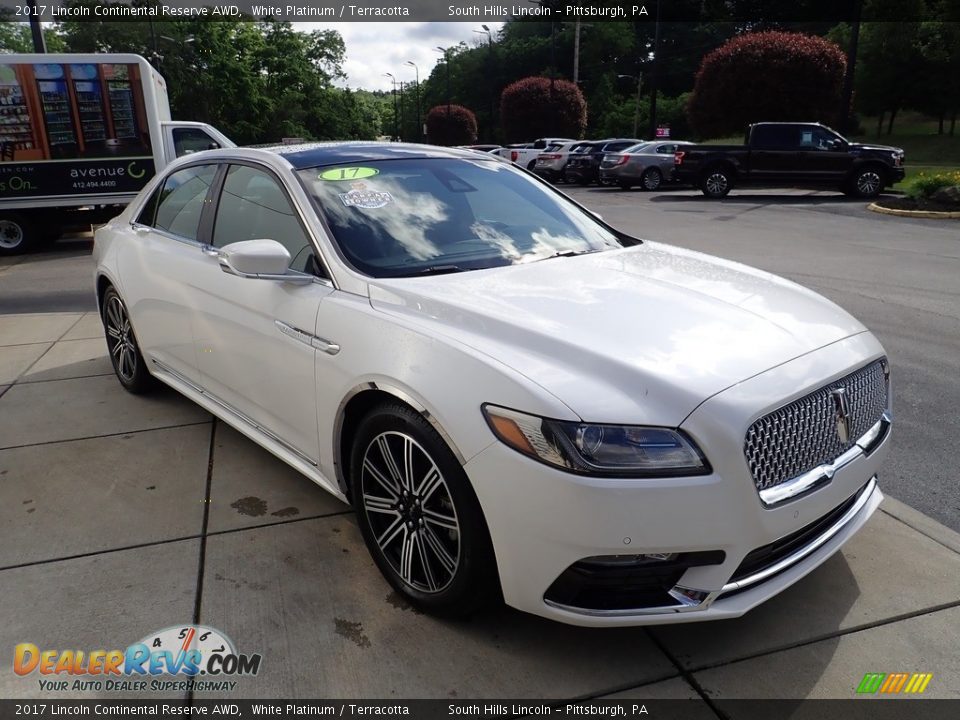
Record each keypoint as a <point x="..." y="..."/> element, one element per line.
<point x="767" y="76"/>
<point x="537" y="106"/>
<point x="451" y="125"/>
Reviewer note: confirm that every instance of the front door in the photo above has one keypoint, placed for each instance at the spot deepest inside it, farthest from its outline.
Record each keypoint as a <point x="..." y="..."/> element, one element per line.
<point x="254" y="336"/>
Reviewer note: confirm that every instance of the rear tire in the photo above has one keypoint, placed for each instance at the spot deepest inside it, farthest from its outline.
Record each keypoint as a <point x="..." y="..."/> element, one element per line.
<point x="125" y="356"/>
<point x="419" y="515"/>
<point x="18" y="234"/>
<point x="716" y="182"/>
<point x="651" y="179"/>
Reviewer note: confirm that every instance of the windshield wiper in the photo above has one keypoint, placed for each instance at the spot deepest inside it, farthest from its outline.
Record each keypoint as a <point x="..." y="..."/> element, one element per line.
<point x="565" y="253"/>
<point x="434" y="270"/>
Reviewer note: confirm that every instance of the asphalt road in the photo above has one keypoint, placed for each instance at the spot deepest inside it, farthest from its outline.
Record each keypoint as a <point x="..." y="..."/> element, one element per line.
<point x="901" y="277"/>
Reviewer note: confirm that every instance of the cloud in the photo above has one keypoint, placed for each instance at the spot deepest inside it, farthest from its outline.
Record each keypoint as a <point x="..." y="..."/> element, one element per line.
<point x="375" y="48"/>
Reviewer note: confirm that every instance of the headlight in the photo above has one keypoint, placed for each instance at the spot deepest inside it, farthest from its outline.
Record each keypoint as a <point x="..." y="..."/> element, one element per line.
<point x="594" y="449"/>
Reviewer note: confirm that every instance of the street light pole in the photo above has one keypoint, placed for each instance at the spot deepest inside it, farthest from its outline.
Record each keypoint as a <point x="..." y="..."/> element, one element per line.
<point x="486" y="31"/>
<point x="395" y="116"/>
<point x="446" y="59"/>
<point x="419" y="120"/>
<point x="402" y="122"/>
<point x="636" y="113"/>
<point x="655" y="81"/>
<point x="36" y="31"/>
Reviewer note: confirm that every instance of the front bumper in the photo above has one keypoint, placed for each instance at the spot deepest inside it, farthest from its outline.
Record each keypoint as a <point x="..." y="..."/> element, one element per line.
<point x="897" y="174"/>
<point x="543" y="521"/>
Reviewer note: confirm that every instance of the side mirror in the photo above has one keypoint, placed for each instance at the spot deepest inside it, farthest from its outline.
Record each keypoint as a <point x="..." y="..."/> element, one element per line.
<point x="259" y="259"/>
<point x="838" y="145"/>
<point x="213" y="146"/>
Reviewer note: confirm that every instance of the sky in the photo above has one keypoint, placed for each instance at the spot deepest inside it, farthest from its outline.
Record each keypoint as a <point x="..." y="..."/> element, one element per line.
<point x="376" y="48"/>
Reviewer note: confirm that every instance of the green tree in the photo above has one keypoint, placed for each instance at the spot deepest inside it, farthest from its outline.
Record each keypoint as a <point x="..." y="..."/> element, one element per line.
<point x="15" y="37"/>
<point x="766" y="76"/>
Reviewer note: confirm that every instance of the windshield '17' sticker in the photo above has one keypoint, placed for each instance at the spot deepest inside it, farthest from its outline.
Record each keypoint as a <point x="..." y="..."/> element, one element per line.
<point x="339" y="174"/>
<point x="362" y="197"/>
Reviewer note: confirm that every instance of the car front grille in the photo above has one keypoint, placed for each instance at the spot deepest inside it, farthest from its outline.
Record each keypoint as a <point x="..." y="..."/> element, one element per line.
<point x="803" y="435"/>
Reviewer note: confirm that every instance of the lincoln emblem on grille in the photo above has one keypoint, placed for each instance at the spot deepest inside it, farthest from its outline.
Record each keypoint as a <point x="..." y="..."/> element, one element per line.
<point x="841" y="405"/>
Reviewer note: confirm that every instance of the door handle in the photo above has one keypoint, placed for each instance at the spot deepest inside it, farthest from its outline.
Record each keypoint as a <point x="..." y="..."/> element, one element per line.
<point x="325" y="346"/>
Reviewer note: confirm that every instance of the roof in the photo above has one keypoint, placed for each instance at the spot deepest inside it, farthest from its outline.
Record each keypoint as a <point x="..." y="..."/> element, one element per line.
<point x="309" y="155"/>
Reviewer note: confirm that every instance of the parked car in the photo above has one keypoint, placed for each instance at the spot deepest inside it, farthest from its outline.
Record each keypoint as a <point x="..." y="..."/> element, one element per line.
<point x="648" y="165"/>
<point x="80" y="136"/>
<point x="483" y="148"/>
<point x="526" y="155"/>
<point x="551" y="163"/>
<point x="514" y="395"/>
<point x="583" y="166"/>
<point x="791" y="155"/>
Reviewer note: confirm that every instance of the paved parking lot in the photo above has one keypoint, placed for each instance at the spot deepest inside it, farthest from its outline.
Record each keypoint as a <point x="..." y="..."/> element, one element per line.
<point x="122" y="515"/>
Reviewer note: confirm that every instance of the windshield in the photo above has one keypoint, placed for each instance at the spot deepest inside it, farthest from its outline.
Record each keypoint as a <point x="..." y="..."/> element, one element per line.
<point x="394" y="218"/>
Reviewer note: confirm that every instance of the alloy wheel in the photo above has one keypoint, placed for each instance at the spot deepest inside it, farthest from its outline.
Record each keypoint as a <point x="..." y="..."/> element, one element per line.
<point x="120" y="341"/>
<point x="868" y="183"/>
<point x="410" y="511"/>
<point x="717" y="183"/>
<point x="651" y="179"/>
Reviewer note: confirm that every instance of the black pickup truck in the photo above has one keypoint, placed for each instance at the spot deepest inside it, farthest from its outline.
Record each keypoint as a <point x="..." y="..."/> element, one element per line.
<point x="791" y="155"/>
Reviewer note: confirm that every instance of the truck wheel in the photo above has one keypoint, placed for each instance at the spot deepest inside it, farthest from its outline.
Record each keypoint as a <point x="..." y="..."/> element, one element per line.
<point x="17" y="234"/>
<point x="716" y="182"/>
<point x="867" y="182"/>
<point x="531" y="165"/>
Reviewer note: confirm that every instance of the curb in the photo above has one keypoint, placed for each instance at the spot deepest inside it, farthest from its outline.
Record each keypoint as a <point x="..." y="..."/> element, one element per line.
<point x="931" y="214"/>
<point x="921" y="523"/>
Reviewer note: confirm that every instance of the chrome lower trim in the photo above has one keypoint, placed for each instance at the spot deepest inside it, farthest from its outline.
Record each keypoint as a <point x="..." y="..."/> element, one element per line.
<point x="820" y="476"/>
<point x="692" y="600"/>
<point x="684" y="605"/>
<point x="811" y="547"/>
<point x="245" y="419"/>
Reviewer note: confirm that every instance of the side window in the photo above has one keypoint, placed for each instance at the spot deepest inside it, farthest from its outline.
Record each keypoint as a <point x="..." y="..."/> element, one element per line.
<point x="776" y="137"/>
<point x="253" y="206"/>
<point x="182" y="199"/>
<point x="191" y="140"/>
<point x="149" y="209"/>
<point x="667" y="149"/>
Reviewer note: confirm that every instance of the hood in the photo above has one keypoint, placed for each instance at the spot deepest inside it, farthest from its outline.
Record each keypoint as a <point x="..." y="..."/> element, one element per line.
<point x="870" y="147"/>
<point x="640" y="335"/>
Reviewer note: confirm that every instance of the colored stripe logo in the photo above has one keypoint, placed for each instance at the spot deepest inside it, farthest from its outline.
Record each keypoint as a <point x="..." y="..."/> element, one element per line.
<point x="894" y="683"/>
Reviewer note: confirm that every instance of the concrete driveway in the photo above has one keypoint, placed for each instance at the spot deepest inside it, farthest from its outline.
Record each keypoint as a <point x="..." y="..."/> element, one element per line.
<point x="123" y="515"/>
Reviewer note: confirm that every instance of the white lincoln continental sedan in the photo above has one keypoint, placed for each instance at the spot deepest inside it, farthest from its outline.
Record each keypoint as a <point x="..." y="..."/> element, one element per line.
<point x="519" y="400"/>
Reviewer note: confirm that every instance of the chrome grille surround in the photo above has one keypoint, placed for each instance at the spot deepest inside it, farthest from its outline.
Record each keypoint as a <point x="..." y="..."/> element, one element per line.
<point x="802" y="435"/>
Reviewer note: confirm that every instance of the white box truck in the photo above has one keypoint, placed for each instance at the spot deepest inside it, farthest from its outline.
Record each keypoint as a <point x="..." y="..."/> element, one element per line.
<point x="80" y="135"/>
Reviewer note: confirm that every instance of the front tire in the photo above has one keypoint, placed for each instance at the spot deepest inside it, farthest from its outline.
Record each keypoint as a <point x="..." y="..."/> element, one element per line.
<point x="651" y="179"/>
<point x="866" y="182"/>
<point x="716" y="182"/>
<point x="125" y="356"/>
<point x="418" y="514"/>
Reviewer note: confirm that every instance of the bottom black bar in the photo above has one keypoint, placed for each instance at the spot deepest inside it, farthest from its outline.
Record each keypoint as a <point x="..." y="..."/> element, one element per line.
<point x="865" y="708"/>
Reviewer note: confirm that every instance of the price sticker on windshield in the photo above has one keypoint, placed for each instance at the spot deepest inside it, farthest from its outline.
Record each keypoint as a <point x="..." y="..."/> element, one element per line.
<point x="338" y="174"/>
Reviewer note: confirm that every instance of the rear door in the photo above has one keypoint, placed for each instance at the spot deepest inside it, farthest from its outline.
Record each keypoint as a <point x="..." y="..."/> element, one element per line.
<point x="164" y="258"/>
<point x="775" y="156"/>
